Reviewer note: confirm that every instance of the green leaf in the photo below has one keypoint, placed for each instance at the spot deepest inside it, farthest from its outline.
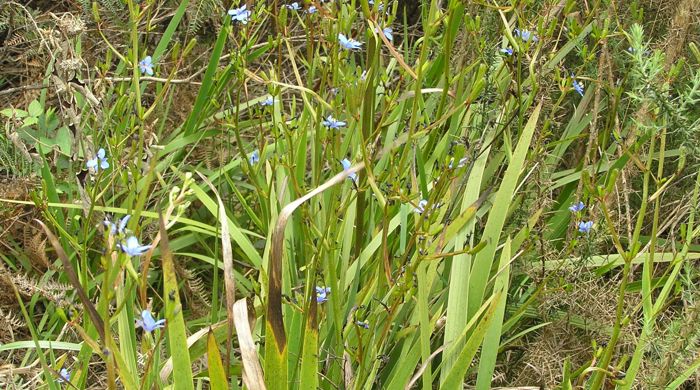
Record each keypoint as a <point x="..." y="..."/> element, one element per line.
<point x="177" y="337"/>
<point x="63" y="140"/>
<point x="35" y="108"/>
<point x="217" y="376"/>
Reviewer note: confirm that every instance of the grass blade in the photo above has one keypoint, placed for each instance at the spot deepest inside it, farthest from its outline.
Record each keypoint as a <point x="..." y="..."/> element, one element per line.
<point x="177" y="337"/>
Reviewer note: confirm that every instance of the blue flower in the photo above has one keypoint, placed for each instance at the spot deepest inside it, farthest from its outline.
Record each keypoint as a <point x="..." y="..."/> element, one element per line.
<point x="239" y="14"/>
<point x="462" y="162"/>
<point x="585" y="227"/>
<point x="322" y="294"/>
<point x="421" y="206"/>
<point x="380" y="7"/>
<point x="294" y="6"/>
<point x="114" y="229"/>
<point x="576" y="207"/>
<point x="525" y="35"/>
<point x="312" y="9"/>
<point x="346" y="165"/>
<point x="268" y="101"/>
<point x="101" y="157"/>
<point x="507" y="51"/>
<point x="387" y="33"/>
<point x="332" y="123"/>
<point x="146" y="65"/>
<point x="64" y="375"/>
<point x="578" y="87"/>
<point x="349" y="43"/>
<point x="148" y="323"/>
<point x="254" y="157"/>
<point x="362" y="324"/>
<point x="132" y="247"/>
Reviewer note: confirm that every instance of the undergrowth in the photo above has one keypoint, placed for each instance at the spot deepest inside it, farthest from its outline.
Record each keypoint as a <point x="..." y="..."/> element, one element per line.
<point x="349" y="194"/>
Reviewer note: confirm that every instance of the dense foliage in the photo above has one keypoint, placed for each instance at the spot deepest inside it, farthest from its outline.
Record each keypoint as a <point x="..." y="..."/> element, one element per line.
<point x="349" y="194"/>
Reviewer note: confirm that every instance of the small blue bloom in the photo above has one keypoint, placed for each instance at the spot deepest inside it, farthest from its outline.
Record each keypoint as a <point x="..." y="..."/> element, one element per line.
<point x="578" y="87"/>
<point x="576" y="207"/>
<point x="254" y="157"/>
<point x="585" y="227"/>
<point x="146" y="65"/>
<point x="312" y="9"/>
<point x="349" y="43"/>
<point x="525" y="35"/>
<point x="101" y="157"/>
<point x="388" y="33"/>
<point x="346" y="165"/>
<point x="421" y="206"/>
<point x="64" y="376"/>
<point x="462" y="162"/>
<point x="148" y="323"/>
<point x="132" y="247"/>
<point x="294" y="6"/>
<point x="322" y="294"/>
<point x="332" y="123"/>
<point x="507" y="51"/>
<point x="239" y="14"/>
<point x="362" y="324"/>
<point x="268" y="101"/>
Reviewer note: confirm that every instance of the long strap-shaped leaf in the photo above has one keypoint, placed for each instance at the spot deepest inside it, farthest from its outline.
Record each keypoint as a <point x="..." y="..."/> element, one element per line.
<point x="497" y="216"/>
<point x="275" y="336"/>
<point x="177" y="337"/>
<point x="73" y="278"/>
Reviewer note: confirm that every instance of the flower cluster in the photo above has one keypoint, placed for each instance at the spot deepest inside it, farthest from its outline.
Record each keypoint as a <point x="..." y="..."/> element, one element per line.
<point x="584" y="227"/>
<point x="129" y="244"/>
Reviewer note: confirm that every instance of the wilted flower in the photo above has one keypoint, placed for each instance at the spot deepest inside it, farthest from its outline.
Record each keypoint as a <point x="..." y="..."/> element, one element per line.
<point x="322" y="294"/>
<point x="312" y="9"/>
<point x="507" y="51"/>
<point x="239" y="14"/>
<point x="380" y="7"/>
<point x="148" y="323"/>
<point x="462" y="162"/>
<point x="254" y="157"/>
<point x="346" y="165"/>
<point x="578" y="87"/>
<point x="114" y="229"/>
<point x="64" y="375"/>
<point x="421" y="206"/>
<point x="576" y="207"/>
<point x="525" y="35"/>
<point x="294" y="6"/>
<point x="585" y="227"/>
<point x="362" y="324"/>
<point x="132" y="247"/>
<point x="146" y="65"/>
<point x="101" y="157"/>
<point x="332" y="123"/>
<point x="349" y="43"/>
